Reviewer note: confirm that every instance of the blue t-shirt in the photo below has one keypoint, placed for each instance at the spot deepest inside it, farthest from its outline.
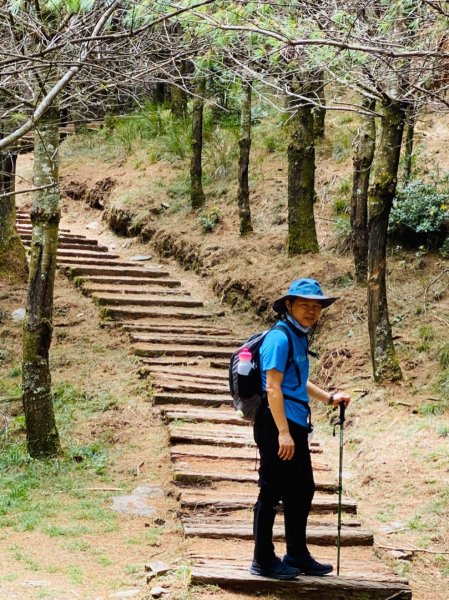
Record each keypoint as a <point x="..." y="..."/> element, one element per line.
<point x="273" y="355"/>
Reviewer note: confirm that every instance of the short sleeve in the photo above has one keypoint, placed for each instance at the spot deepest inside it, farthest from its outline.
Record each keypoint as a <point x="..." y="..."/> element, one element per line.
<point x="274" y="351"/>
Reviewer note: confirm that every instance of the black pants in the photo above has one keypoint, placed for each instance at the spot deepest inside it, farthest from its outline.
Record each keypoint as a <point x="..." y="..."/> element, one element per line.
<point x="288" y="480"/>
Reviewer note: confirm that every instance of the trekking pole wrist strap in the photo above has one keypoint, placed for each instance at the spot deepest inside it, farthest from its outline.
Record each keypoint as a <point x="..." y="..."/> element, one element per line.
<point x="331" y="399"/>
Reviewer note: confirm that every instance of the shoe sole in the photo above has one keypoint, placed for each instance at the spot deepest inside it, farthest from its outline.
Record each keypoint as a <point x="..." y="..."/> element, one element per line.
<point x="271" y="575"/>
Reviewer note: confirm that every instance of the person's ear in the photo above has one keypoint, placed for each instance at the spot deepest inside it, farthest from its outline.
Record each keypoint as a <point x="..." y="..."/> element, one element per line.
<point x="288" y="304"/>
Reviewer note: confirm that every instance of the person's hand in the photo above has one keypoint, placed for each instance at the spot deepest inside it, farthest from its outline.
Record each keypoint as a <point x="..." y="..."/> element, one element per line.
<point x="286" y="446"/>
<point x="340" y="397"/>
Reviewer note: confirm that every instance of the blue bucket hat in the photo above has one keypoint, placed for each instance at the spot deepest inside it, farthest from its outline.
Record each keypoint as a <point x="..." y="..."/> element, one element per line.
<point x="303" y="288"/>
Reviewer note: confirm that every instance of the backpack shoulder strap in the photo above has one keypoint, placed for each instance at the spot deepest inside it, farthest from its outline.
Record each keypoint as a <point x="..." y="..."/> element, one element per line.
<point x="285" y="329"/>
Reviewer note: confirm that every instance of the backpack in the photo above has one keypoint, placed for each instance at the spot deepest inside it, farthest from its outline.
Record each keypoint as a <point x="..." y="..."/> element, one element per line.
<point x="246" y="390"/>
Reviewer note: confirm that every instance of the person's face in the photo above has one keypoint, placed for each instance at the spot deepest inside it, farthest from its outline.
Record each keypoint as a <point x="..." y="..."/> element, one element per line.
<point x="306" y="312"/>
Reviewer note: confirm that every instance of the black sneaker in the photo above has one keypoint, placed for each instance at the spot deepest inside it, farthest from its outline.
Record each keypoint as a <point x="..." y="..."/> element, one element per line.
<point x="277" y="569"/>
<point x="307" y="565"/>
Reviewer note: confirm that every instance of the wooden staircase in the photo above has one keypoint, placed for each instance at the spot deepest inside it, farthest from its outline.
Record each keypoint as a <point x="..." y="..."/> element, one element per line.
<point x="184" y="347"/>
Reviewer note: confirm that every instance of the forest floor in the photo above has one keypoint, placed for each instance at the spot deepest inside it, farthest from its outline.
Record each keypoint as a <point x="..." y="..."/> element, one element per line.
<point x="58" y="533"/>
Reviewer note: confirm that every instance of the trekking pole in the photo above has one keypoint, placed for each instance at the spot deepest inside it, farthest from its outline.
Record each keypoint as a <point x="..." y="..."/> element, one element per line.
<point x="340" y="423"/>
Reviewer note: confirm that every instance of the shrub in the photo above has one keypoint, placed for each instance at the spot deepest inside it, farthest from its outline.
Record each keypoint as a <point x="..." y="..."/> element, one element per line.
<point x="208" y="219"/>
<point x="419" y="215"/>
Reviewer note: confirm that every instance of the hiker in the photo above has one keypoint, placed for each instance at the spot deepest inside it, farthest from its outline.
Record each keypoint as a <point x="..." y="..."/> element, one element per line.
<point x="281" y="430"/>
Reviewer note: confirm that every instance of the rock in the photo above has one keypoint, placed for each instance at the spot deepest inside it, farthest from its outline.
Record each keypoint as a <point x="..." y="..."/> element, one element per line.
<point x="36" y="583"/>
<point x="157" y="591"/>
<point x="18" y="315"/>
<point x="136" y="504"/>
<point x="125" y="593"/>
<point x="157" y="568"/>
<point x="165" y="205"/>
<point x="401" y="554"/>
<point x="93" y="225"/>
<point x="151" y="491"/>
<point x="141" y="257"/>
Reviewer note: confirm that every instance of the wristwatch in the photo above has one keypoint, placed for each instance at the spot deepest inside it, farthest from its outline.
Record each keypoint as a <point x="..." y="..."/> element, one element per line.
<point x="331" y="400"/>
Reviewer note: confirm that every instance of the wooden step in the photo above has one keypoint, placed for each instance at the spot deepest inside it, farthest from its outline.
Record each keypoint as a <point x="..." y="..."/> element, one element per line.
<point x="100" y="260"/>
<point x="62" y="237"/>
<point x="190" y="387"/>
<point x="319" y="535"/>
<point x="200" y="500"/>
<point x="172" y="350"/>
<point x="192" y="399"/>
<point x="198" y="415"/>
<point x="152" y="365"/>
<point x="149" y="290"/>
<point x="83" y="248"/>
<point x="136" y="300"/>
<point x="187" y="339"/>
<point x="133" y="312"/>
<point x="127" y="270"/>
<point x="127" y="281"/>
<point x="235" y="576"/>
<point x="190" y="477"/>
<point x="99" y="253"/>
<point x="209" y="375"/>
<point x="244" y="454"/>
<point x="154" y="327"/>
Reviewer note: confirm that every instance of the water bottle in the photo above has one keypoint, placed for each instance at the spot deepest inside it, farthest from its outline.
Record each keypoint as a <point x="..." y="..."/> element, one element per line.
<point x="245" y="365"/>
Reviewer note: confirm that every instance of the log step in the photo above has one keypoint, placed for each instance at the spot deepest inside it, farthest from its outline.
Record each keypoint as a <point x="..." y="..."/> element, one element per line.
<point x="191" y="477"/>
<point x="364" y="587"/>
<point x="128" y="281"/>
<point x="188" y="340"/>
<point x="209" y="375"/>
<point x="148" y="290"/>
<point x="233" y="454"/>
<point x="172" y="350"/>
<point x="197" y="328"/>
<point x="68" y="245"/>
<point x="100" y="260"/>
<point x="200" y="500"/>
<point x="197" y="415"/>
<point x="63" y="237"/>
<point x="191" y="388"/>
<point x="86" y="269"/>
<point x="319" y="535"/>
<point x="133" y="312"/>
<point x="192" y="399"/>
<point x="136" y="300"/>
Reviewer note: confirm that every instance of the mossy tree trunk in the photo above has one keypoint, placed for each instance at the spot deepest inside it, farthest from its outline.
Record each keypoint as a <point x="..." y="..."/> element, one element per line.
<point x="408" y="148"/>
<point x="196" y="170"/>
<point x="245" y="147"/>
<point x="13" y="263"/>
<point x="362" y="161"/>
<point x="302" y="236"/>
<point x="380" y="197"/>
<point x="42" y="434"/>
<point x="319" y="112"/>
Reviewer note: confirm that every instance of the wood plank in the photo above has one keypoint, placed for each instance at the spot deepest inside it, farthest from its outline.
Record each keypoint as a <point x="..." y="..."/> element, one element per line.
<point x="156" y="312"/>
<point x="129" y="271"/>
<point x="209" y="375"/>
<point x="176" y="361"/>
<point x="101" y="260"/>
<point x="237" y="577"/>
<point x="189" y="340"/>
<point x="129" y="280"/>
<point x="190" y="387"/>
<point x="190" y="477"/>
<point x="177" y="328"/>
<point x="192" y="399"/>
<point x="139" y="300"/>
<point x="317" y="535"/>
<point x="212" y="500"/>
<point x="151" y="290"/>
<point x="146" y="349"/>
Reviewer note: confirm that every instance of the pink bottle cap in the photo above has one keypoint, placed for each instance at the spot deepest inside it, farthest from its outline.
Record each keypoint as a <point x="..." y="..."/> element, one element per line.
<point x="245" y="354"/>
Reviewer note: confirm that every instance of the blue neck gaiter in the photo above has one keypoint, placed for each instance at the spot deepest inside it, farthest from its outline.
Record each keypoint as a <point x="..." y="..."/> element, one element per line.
<point x="296" y="324"/>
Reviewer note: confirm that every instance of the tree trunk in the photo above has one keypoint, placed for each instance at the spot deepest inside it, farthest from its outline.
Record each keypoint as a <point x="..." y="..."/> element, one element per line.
<point x="319" y="113"/>
<point x="245" y="146"/>
<point x="42" y="434"/>
<point x="362" y="160"/>
<point x="178" y="100"/>
<point x="302" y="237"/>
<point x="13" y="263"/>
<point x="196" y="170"/>
<point x="380" y="198"/>
<point x="408" y="148"/>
